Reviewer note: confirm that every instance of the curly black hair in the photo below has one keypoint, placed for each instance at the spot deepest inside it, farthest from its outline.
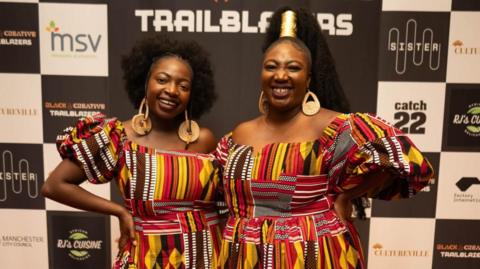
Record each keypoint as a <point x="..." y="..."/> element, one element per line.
<point x="324" y="78"/>
<point x="136" y="66"/>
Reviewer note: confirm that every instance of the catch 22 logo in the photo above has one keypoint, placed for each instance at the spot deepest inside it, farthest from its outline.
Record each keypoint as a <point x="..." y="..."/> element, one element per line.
<point x="410" y="117"/>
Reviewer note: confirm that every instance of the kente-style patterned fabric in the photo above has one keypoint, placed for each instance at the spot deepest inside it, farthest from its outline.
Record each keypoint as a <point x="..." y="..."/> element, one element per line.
<point x="280" y="199"/>
<point x="170" y="194"/>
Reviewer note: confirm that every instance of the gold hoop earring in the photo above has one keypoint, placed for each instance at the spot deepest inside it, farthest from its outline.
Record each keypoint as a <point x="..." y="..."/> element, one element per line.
<point x="262" y="105"/>
<point x="311" y="107"/>
<point x="141" y="123"/>
<point x="188" y="131"/>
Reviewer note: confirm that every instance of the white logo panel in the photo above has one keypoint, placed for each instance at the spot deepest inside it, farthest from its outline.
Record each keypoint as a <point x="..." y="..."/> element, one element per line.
<point x="400" y="243"/>
<point x="23" y="239"/>
<point x="21" y="108"/>
<point x="73" y="39"/>
<point x="51" y="160"/>
<point x="459" y="186"/>
<point x="464" y="48"/>
<point x="415" y="5"/>
<point x="416" y="108"/>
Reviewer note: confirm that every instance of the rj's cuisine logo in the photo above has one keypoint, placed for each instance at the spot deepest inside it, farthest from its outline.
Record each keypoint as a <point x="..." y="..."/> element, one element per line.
<point x="470" y="119"/>
<point x="78" y="245"/>
<point x="379" y="250"/>
<point x="82" y="44"/>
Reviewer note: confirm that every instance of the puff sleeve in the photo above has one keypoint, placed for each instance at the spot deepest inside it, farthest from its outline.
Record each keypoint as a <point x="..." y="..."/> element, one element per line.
<point x="95" y="143"/>
<point x="364" y="144"/>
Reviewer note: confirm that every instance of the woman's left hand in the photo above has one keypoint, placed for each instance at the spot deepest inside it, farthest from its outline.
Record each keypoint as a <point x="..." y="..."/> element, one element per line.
<point x="344" y="208"/>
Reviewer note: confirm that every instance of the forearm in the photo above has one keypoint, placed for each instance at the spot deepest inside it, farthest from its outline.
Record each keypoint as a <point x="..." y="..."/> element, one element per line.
<point x="63" y="186"/>
<point x="370" y="182"/>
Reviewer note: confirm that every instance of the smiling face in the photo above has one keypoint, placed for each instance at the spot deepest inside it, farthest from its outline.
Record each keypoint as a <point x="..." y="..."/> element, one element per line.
<point x="285" y="76"/>
<point x="168" y="87"/>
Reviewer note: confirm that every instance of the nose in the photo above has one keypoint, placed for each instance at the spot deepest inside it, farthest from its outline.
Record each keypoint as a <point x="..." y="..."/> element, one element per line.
<point x="172" y="89"/>
<point x="281" y="74"/>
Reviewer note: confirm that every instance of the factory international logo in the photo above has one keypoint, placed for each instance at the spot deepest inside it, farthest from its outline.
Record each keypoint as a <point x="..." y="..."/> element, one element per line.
<point x="78" y="245"/>
<point x="413" y="45"/>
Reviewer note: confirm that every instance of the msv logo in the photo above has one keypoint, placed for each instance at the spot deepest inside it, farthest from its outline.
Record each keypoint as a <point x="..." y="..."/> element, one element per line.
<point x="67" y="42"/>
<point x="413" y="46"/>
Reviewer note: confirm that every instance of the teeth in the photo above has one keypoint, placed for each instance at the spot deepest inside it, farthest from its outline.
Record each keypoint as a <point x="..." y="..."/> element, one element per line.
<point x="167" y="102"/>
<point x="280" y="90"/>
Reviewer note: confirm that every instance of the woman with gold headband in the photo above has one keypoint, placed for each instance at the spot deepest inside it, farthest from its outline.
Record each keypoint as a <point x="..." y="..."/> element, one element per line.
<point x="290" y="174"/>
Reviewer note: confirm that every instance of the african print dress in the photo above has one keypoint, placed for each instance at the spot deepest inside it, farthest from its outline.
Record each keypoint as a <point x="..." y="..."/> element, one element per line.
<point x="280" y="199"/>
<point x="170" y="194"/>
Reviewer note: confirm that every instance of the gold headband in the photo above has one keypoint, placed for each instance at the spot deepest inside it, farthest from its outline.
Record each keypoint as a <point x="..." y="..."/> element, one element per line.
<point x="289" y="24"/>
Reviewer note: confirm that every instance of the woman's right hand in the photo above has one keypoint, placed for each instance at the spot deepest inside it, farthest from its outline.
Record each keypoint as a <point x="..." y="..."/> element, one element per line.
<point x="127" y="230"/>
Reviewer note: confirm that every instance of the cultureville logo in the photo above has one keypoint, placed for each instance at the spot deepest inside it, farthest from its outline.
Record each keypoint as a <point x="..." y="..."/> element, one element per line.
<point x="470" y="120"/>
<point x="381" y="251"/>
<point x="79" y="245"/>
<point x="458" y="250"/>
<point x="459" y="48"/>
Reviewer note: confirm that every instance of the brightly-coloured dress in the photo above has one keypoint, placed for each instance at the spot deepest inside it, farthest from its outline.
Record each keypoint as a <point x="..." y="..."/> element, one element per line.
<point x="170" y="194"/>
<point x="280" y="199"/>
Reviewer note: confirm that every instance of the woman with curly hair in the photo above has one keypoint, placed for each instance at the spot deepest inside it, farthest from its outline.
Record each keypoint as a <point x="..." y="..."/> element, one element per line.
<point x="289" y="187"/>
<point x="159" y="160"/>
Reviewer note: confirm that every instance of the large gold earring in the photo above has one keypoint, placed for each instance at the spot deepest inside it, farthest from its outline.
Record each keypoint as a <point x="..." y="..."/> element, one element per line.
<point x="311" y="107"/>
<point x="188" y="131"/>
<point x="262" y="105"/>
<point x="141" y="123"/>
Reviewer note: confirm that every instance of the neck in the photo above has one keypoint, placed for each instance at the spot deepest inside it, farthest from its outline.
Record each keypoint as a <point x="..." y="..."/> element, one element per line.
<point x="276" y="117"/>
<point x="164" y="125"/>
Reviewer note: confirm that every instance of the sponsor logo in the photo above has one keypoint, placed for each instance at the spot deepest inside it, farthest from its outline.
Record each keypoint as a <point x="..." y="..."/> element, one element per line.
<point x="14" y="111"/>
<point x="410" y="117"/>
<point x="470" y="120"/>
<point x="19" y="38"/>
<point x="16" y="177"/>
<point x="230" y="21"/>
<point x="459" y="48"/>
<point x="465" y="185"/>
<point x="20" y="241"/>
<point x="458" y="250"/>
<point x="78" y="245"/>
<point x="414" y="46"/>
<point x="379" y="250"/>
<point x="65" y="44"/>
<point x="75" y="109"/>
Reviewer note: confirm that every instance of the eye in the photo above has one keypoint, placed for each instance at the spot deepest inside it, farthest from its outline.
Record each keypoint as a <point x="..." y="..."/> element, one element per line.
<point x="161" y="80"/>
<point x="269" y="66"/>
<point x="184" y="87"/>
<point x="294" y="68"/>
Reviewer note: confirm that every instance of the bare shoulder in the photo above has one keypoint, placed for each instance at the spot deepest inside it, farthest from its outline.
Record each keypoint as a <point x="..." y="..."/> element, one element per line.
<point x="323" y="119"/>
<point x="207" y="139"/>
<point x="245" y="129"/>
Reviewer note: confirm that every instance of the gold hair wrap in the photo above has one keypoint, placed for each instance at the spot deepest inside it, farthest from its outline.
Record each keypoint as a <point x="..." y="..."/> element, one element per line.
<point x="289" y="24"/>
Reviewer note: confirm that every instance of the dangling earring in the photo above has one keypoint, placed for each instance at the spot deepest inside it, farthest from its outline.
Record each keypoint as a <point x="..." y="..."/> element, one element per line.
<point x="188" y="131"/>
<point x="311" y="107"/>
<point x="141" y="123"/>
<point x="262" y="106"/>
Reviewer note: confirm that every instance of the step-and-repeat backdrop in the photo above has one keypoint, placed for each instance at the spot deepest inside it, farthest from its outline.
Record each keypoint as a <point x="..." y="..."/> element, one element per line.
<point x="415" y="63"/>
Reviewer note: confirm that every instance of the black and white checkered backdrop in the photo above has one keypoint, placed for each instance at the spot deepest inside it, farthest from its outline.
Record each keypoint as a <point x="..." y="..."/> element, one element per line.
<point x="416" y="63"/>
